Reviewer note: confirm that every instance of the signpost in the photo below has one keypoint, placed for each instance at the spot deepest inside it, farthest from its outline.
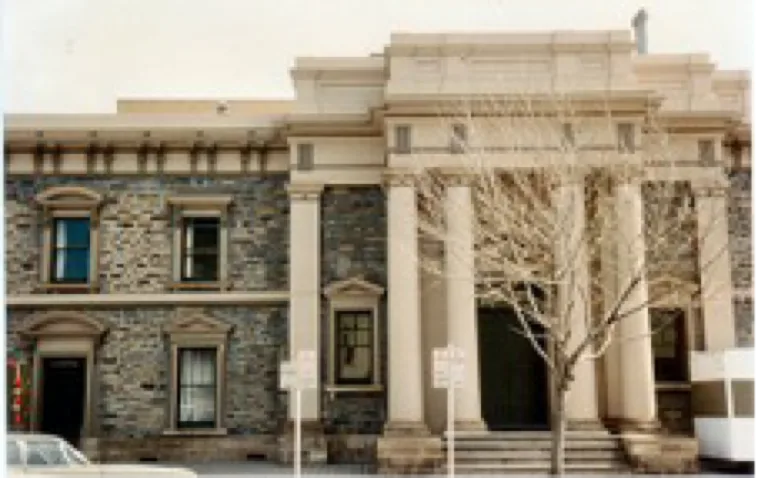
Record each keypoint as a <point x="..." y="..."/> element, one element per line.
<point x="448" y="372"/>
<point x="296" y="376"/>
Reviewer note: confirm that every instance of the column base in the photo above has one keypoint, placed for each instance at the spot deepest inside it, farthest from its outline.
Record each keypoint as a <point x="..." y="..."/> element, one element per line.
<point x="313" y="448"/>
<point x="469" y="427"/>
<point x="626" y="425"/>
<point x="585" y="425"/>
<point x="653" y="453"/>
<point x="408" y="448"/>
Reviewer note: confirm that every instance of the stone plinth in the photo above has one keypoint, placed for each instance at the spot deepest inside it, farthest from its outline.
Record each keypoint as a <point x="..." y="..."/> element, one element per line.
<point x="408" y="448"/>
<point x="313" y="448"/>
<point x="661" y="454"/>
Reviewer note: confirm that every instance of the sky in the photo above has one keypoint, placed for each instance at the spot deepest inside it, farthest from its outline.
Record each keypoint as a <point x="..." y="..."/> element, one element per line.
<point x="80" y="56"/>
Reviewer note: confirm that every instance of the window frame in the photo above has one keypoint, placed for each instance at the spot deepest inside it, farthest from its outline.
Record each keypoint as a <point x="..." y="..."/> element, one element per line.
<point x="306" y="157"/>
<point x="401" y="147"/>
<point x="458" y="143"/>
<point x="701" y="142"/>
<point x="338" y="345"/>
<point x="622" y="145"/>
<point x="191" y="329"/>
<point x="568" y="136"/>
<point x="351" y="295"/>
<point x="183" y="208"/>
<point x="55" y="250"/>
<point x="69" y="202"/>
<point x="190" y="425"/>
<point x="185" y="252"/>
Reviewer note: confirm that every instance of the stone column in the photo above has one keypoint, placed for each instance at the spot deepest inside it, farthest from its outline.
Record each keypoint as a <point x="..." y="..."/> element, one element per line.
<point x="461" y="298"/>
<point x="636" y="367"/>
<point x="573" y="297"/>
<point x="406" y="445"/>
<point x="405" y="362"/>
<point x="305" y="311"/>
<point x="609" y="277"/>
<point x="715" y="265"/>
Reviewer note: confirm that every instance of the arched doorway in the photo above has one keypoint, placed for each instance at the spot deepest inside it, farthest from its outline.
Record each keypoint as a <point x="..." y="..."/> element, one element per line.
<point x="514" y="379"/>
<point x="63" y="363"/>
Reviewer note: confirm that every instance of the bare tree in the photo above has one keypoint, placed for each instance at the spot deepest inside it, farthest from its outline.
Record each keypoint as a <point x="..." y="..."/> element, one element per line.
<point x="555" y="184"/>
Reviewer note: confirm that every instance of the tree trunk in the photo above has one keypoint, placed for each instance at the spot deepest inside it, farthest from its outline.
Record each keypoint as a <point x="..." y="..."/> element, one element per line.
<point x="558" y="432"/>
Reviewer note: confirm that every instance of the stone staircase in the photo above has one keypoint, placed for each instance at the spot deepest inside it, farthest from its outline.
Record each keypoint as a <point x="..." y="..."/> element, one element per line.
<point x="522" y="452"/>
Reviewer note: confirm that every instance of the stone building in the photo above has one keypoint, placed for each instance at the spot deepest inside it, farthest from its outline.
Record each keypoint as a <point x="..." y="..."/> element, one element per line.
<point x="163" y="260"/>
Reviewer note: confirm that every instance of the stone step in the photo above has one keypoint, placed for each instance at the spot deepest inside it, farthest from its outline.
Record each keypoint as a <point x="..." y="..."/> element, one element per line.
<point x="537" y="472"/>
<point x="532" y="445"/>
<point x="530" y="435"/>
<point x="534" y="455"/>
<point x="535" y="466"/>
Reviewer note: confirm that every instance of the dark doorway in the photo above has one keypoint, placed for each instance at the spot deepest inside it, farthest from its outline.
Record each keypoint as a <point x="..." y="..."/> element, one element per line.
<point x="513" y="376"/>
<point x="63" y="385"/>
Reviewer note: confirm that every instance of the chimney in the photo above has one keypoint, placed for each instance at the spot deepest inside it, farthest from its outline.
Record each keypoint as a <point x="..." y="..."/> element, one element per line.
<point x="639" y="23"/>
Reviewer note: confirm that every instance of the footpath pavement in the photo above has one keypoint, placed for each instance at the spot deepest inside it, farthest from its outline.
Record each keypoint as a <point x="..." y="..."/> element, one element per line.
<point x="272" y="470"/>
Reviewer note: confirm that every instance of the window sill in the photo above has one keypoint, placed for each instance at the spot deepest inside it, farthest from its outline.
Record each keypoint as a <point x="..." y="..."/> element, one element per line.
<point x="354" y="388"/>
<point x="673" y="386"/>
<point x="197" y="286"/>
<point x="51" y="287"/>
<point x="195" y="432"/>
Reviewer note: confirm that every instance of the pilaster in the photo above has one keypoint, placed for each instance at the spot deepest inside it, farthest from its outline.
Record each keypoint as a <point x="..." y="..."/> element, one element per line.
<point x="305" y="309"/>
<point x="715" y="265"/>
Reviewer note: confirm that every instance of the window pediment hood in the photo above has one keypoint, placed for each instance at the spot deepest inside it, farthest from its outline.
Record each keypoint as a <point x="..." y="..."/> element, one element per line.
<point x="196" y="323"/>
<point x="353" y="287"/>
<point x="62" y="195"/>
<point x="60" y="324"/>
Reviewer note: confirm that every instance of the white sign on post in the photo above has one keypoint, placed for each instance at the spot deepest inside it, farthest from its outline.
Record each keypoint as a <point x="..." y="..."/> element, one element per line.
<point x="307" y="369"/>
<point x="296" y="376"/>
<point x="449" y="373"/>
<point x="448" y="370"/>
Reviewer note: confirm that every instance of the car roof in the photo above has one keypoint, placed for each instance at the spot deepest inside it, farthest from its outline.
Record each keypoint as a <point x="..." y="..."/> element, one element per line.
<point x="31" y="436"/>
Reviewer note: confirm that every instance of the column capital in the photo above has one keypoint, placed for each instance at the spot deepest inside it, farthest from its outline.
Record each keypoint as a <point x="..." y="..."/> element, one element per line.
<point x="628" y="173"/>
<point x="399" y="177"/>
<point x="710" y="188"/>
<point x="571" y="175"/>
<point x="457" y="176"/>
<point x="304" y="191"/>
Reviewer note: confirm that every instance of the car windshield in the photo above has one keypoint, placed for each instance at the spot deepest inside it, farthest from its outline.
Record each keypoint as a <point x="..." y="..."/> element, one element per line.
<point x="13" y="452"/>
<point x="52" y="453"/>
<point x="74" y="456"/>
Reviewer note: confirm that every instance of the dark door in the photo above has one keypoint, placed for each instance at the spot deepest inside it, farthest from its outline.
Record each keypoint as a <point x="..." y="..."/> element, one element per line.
<point x="63" y="384"/>
<point x="513" y="375"/>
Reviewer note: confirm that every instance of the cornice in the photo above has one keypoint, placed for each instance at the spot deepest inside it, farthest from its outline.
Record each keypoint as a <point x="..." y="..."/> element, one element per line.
<point x="119" y="300"/>
<point x="681" y="121"/>
<point x="145" y="159"/>
<point x="581" y="102"/>
<point x="418" y="44"/>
